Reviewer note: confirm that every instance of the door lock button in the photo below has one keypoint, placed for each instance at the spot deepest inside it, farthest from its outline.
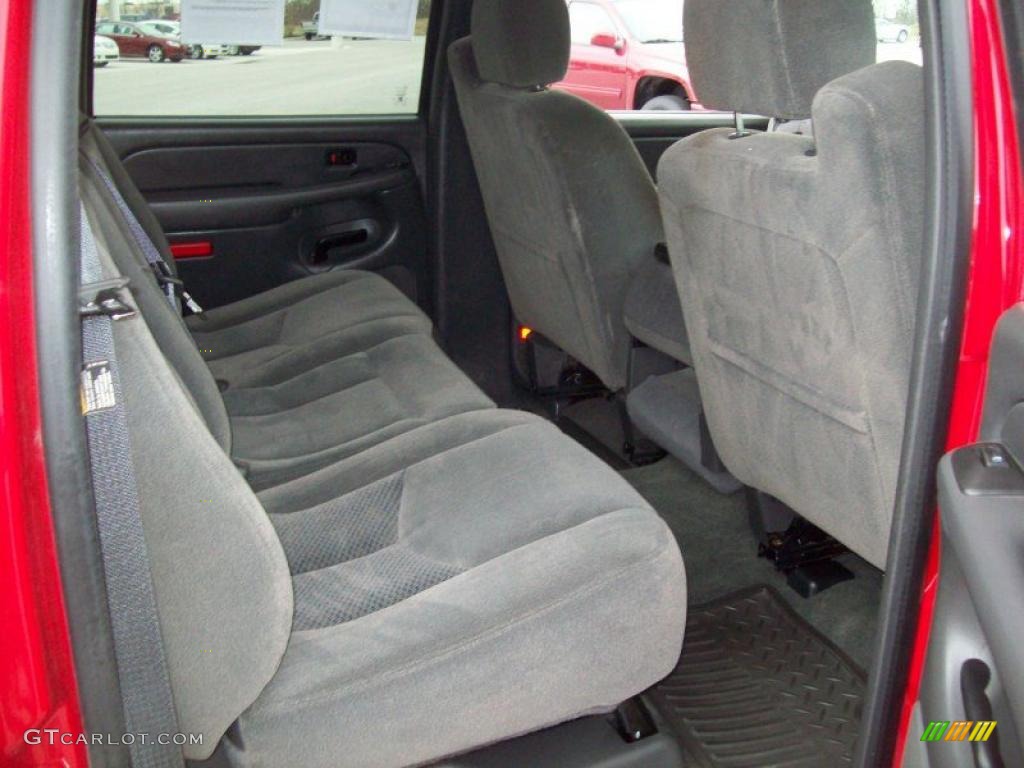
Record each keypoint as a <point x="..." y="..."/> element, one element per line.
<point x="994" y="457"/>
<point x="987" y="469"/>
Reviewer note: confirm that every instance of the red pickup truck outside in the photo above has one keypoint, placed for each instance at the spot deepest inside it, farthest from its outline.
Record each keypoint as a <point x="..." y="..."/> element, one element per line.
<point x="628" y="54"/>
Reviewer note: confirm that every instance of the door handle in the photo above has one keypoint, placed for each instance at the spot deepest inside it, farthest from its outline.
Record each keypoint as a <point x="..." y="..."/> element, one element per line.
<point x="974" y="679"/>
<point x="348" y="239"/>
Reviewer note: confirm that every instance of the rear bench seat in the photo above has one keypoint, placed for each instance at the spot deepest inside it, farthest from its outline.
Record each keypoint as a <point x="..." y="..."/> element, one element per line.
<point x="371" y="589"/>
<point x="312" y="371"/>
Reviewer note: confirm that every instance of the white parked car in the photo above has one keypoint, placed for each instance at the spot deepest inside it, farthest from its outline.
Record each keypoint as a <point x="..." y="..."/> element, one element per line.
<point x="891" y="32"/>
<point x="104" y="51"/>
<point x="206" y="51"/>
<point x="172" y="29"/>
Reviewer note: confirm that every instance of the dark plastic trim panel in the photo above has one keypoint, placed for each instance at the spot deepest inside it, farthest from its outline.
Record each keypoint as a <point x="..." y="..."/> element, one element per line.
<point x="263" y="208"/>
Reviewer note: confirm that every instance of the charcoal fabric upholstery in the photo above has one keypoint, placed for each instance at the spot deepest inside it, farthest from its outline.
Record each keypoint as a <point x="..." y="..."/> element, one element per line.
<point x="770" y="57"/>
<point x="798" y="262"/>
<point x="571" y="206"/>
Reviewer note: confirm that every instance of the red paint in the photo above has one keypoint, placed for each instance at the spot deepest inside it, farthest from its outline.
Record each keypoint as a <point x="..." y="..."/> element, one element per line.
<point x="995" y="282"/>
<point x="36" y="670"/>
<point x="607" y="67"/>
<point x="200" y="249"/>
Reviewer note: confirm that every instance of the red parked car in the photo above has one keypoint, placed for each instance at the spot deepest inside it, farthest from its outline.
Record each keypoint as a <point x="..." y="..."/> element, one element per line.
<point x="135" y="43"/>
<point x="628" y="54"/>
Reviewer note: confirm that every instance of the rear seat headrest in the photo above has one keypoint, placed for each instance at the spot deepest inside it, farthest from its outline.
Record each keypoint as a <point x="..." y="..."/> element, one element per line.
<point x="770" y="57"/>
<point x="522" y="43"/>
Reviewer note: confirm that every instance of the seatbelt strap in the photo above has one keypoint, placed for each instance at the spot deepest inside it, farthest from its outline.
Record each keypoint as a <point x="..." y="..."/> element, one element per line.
<point x="169" y="284"/>
<point x="138" y="644"/>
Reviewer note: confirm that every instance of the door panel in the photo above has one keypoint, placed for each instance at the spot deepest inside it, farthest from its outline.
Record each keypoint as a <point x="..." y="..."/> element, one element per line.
<point x="264" y="204"/>
<point x="975" y="661"/>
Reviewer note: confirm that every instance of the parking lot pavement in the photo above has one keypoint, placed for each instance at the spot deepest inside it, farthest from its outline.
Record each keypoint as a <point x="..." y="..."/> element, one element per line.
<point x="300" y="77"/>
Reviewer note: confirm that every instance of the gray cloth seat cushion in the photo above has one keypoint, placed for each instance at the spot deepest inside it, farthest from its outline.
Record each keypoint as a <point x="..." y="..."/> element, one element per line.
<point x="653" y="314"/>
<point x="321" y="368"/>
<point x="302" y="311"/>
<point x="508" y="583"/>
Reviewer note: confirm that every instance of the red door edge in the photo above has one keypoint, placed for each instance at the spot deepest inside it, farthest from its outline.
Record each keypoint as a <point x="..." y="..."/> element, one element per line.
<point x="995" y="283"/>
<point x="37" y="672"/>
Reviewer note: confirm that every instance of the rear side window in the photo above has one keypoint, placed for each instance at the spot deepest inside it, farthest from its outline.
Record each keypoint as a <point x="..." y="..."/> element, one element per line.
<point x="155" y="71"/>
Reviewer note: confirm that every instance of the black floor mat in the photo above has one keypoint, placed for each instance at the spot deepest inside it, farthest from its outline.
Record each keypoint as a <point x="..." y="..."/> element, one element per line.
<point x="758" y="686"/>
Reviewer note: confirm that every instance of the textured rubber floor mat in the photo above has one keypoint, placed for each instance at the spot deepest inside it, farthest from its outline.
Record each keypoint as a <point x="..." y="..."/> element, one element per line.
<point x="758" y="686"/>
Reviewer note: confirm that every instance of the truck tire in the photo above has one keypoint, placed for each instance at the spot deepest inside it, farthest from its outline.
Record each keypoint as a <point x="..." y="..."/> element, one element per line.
<point x="667" y="103"/>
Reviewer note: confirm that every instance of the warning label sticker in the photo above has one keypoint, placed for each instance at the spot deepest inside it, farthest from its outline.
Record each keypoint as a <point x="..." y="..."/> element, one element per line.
<point x="97" y="387"/>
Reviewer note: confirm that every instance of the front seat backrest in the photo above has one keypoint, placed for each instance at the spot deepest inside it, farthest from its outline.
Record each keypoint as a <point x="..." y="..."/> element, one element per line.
<point x="572" y="209"/>
<point x="797" y="258"/>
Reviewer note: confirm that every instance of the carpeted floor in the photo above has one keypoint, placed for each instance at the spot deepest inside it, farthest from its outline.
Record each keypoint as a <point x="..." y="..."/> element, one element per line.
<point x="720" y="554"/>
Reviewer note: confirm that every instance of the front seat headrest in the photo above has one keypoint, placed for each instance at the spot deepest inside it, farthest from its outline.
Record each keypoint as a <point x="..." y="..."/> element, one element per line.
<point x="770" y="57"/>
<point x="521" y="43"/>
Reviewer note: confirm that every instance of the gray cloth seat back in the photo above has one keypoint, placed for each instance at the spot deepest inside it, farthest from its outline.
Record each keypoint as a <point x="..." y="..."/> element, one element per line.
<point x="572" y="209"/>
<point x="797" y="258"/>
<point x="220" y="577"/>
<point x="97" y="158"/>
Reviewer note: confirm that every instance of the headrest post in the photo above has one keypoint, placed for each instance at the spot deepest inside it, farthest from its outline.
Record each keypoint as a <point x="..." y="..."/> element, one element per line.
<point x="740" y="131"/>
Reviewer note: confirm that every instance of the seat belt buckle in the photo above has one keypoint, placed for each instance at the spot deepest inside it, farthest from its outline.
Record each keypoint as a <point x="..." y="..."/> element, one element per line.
<point x="175" y="286"/>
<point x="191" y="303"/>
<point x="105" y="298"/>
